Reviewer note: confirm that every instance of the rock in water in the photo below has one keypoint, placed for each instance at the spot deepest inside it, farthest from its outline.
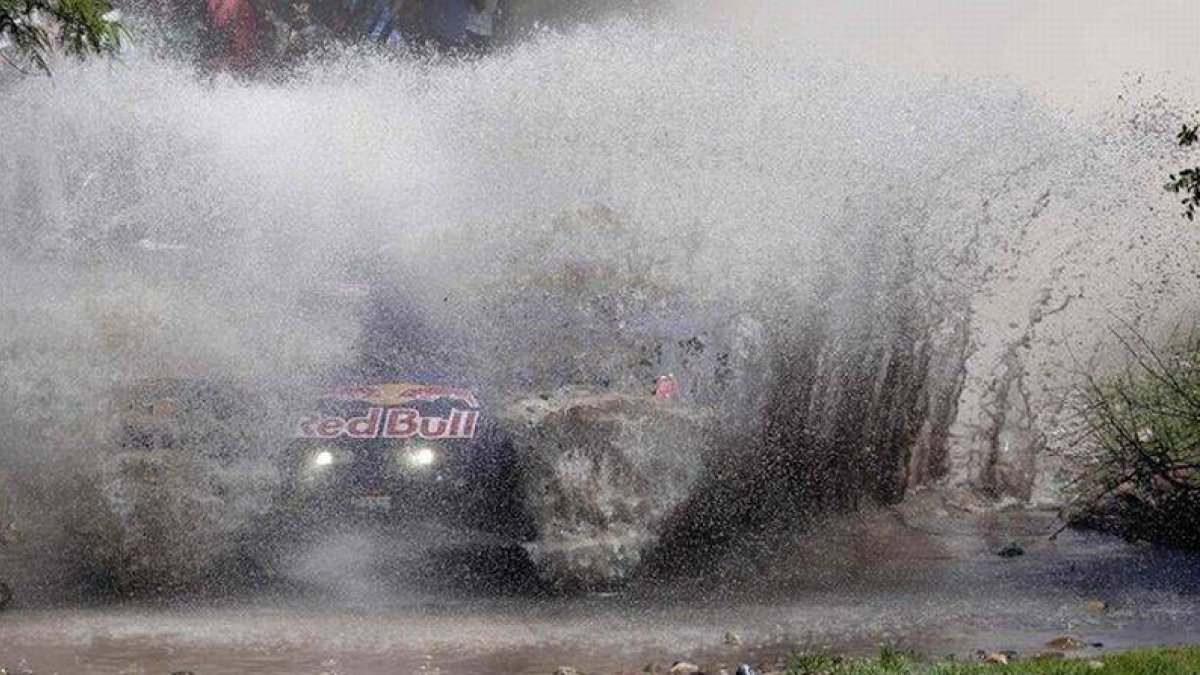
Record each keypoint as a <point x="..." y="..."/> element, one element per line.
<point x="995" y="657"/>
<point x="1013" y="550"/>
<point x="1066" y="643"/>
<point x="601" y="472"/>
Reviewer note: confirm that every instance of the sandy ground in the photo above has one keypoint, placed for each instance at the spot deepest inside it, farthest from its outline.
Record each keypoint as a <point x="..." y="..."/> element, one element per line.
<point x="930" y="581"/>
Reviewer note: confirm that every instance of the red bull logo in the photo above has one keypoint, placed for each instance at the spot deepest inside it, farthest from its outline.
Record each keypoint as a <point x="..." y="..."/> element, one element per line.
<point x="382" y="422"/>
<point x="402" y="393"/>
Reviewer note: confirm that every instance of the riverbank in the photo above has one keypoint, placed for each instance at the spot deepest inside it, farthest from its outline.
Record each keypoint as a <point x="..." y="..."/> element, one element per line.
<point x="1159" y="661"/>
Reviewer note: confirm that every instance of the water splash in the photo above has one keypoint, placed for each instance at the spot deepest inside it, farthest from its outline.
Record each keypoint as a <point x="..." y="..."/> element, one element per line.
<point x="909" y="246"/>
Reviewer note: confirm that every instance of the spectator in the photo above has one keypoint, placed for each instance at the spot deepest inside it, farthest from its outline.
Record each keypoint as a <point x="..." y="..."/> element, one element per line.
<point x="445" y="24"/>
<point x="379" y="20"/>
<point x="237" y="24"/>
<point x="665" y="388"/>
<point x="481" y="24"/>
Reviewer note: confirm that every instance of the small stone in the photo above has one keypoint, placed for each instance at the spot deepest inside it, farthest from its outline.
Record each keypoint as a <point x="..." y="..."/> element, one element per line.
<point x="1096" y="606"/>
<point x="732" y="639"/>
<point x="566" y="670"/>
<point x="654" y="668"/>
<point x="747" y="669"/>
<point x="6" y="595"/>
<point x="995" y="657"/>
<point x="1095" y="665"/>
<point x="684" y="668"/>
<point x="1066" y="643"/>
<point x="1011" y="551"/>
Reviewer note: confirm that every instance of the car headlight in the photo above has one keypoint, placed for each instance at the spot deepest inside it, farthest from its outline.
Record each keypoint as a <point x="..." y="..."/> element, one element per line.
<point x="420" y="457"/>
<point x="321" y="458"/>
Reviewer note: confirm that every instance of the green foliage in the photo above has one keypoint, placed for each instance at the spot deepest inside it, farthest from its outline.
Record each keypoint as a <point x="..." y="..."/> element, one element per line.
<point x="891" y="659"/>
<point x="1171" y="661"/>
<point x="894" y="658"/>
<point x="810" y="663"/>
<point x="32" y="29"/>
<point x="1187" y="181"/>
<point x="1144" y="480"/>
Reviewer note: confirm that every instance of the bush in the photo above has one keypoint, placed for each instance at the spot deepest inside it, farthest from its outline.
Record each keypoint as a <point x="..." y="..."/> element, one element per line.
<point x="1143" y="479"/>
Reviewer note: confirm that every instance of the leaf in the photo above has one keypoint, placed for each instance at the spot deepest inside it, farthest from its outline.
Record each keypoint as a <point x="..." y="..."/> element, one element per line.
<point x="35" y="28"/>
<point x="1188" y="135"/>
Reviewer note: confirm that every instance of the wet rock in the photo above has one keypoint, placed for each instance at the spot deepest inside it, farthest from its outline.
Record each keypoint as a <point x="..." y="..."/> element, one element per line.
<point x="1066" y="643"/>
<point x="602" y="472"/>
<point x="684" y="668"/>
<point x="994" y="657"/>
<point x="1013" y="550"/>
<point x="747" y="669"/>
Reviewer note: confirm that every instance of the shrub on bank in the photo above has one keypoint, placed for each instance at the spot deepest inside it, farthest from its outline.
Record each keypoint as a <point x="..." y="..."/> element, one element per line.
<point x="1142" y="480"/>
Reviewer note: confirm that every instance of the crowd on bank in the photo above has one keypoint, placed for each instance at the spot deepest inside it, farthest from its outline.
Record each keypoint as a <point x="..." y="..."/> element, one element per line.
<point x="244" y="33"/>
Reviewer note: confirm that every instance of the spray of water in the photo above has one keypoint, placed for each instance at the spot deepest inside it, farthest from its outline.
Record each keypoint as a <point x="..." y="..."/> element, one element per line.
<point x="927" y="264"/>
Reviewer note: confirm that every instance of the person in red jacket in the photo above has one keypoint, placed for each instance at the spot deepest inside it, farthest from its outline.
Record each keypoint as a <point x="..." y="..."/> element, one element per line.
<point x="665" y="388"/>
<point x="237" y="22"/>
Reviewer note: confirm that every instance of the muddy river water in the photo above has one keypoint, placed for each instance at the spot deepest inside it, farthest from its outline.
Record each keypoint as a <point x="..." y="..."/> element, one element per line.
<point x="936" y="586"/>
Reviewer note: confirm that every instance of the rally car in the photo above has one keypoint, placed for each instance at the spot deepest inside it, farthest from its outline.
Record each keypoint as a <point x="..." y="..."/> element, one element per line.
<point x="402" y="452"/>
